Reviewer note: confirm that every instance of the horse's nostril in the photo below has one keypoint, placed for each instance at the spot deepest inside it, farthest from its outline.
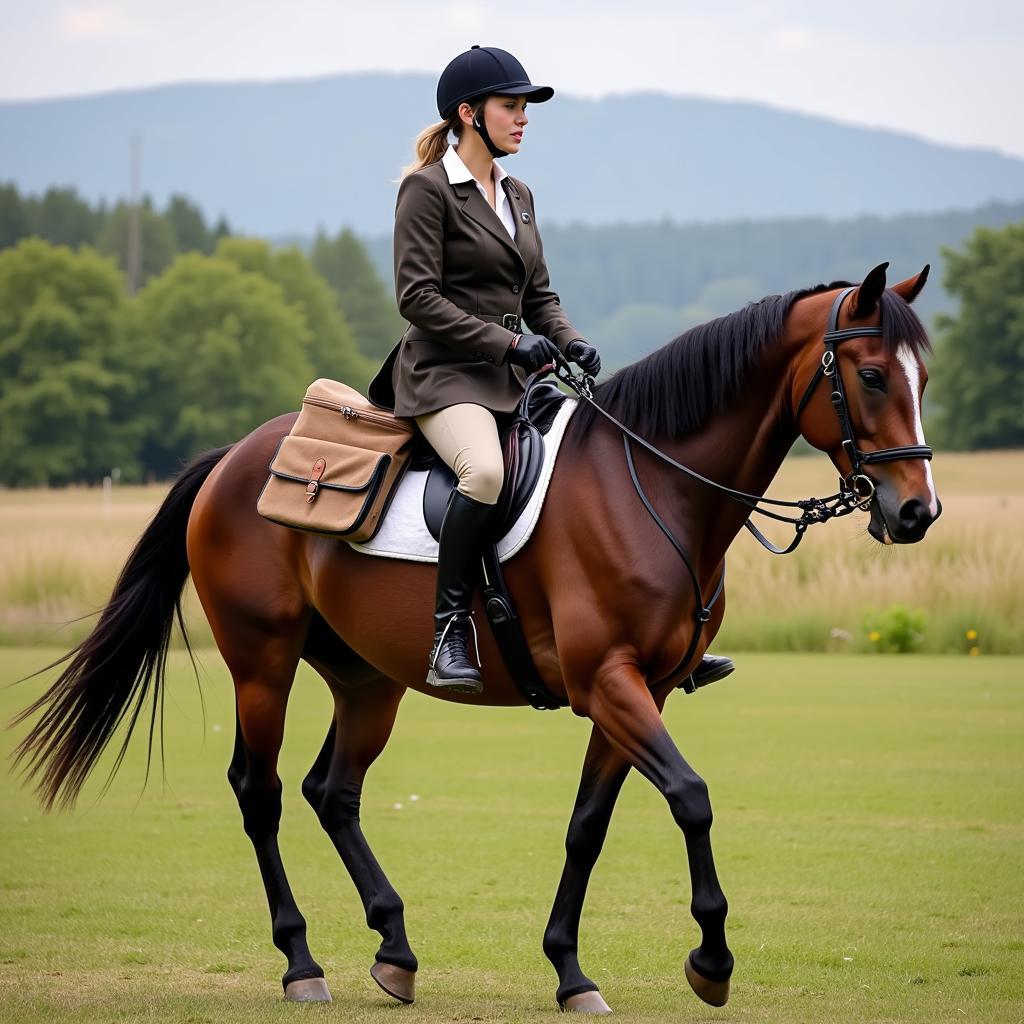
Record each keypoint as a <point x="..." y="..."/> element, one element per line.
<point x="913" y="514"/>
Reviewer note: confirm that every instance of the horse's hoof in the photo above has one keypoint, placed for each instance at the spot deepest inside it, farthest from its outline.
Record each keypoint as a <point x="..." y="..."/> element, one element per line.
<point x="714" y="993"/>
<point x="399" y="983"/>
<point x="585" y="1002"/>
<point x="307" y="990"/>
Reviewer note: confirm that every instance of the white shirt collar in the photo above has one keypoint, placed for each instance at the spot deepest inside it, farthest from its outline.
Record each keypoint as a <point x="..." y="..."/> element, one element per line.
<point x="457" y="171"/>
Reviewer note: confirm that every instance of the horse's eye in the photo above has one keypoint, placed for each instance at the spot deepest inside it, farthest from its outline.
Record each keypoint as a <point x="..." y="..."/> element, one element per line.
<point x="873" y="379"/>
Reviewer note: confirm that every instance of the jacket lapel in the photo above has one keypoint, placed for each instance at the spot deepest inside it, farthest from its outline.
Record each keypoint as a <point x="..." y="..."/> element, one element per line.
<point x="524" y="228"/>
<point x="477" y="208"/>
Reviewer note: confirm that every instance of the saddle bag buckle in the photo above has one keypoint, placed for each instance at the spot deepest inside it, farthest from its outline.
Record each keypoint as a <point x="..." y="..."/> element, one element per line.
<point x="313" y="487"/>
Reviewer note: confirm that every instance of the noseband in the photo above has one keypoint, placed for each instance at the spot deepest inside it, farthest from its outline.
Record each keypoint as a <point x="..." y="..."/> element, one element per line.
<point x="857" y="482"/>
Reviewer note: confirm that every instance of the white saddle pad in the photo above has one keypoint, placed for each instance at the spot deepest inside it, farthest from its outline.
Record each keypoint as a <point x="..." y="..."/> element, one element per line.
<point x="405" y="534"/>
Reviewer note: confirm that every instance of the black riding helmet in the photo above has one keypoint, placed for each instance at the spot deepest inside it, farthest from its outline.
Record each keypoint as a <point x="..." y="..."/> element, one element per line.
<point x="485" y="71"/>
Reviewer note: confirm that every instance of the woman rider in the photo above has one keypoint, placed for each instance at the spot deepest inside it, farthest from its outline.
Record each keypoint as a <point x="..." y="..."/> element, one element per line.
<point x="468" y="264"/>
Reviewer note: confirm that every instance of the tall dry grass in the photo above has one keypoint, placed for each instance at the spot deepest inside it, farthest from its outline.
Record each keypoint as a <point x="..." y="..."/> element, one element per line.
<point x="966" y="576"/>
<point x="60" y="552"/>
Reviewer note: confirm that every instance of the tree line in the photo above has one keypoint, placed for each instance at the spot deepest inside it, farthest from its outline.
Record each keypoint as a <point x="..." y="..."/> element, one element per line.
<point x="229" y="332"/>
<point x="224" y="333"/>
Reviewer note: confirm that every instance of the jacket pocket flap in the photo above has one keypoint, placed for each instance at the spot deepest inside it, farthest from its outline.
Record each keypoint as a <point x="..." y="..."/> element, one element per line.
<point x="341" y="467"/>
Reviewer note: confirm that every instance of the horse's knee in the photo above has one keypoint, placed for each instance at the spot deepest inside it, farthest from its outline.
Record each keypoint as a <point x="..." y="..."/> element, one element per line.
<point x="338" y="806"/>
<point x="585" y="835"/>
<point x="690" y="803"/>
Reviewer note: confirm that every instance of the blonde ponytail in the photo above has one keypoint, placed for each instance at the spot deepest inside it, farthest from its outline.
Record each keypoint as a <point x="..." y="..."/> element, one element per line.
<point x="432" y="142"/>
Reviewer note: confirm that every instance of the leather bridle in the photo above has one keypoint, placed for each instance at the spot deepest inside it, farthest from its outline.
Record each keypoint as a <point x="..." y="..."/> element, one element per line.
<point x="857" y="481"/>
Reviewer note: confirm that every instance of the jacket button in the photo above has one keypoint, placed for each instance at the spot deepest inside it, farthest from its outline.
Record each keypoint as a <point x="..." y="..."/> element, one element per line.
<point x="515" y="289"/>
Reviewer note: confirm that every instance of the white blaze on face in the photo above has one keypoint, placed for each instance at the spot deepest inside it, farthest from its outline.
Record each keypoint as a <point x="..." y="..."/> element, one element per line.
<point x="909" y="363"/>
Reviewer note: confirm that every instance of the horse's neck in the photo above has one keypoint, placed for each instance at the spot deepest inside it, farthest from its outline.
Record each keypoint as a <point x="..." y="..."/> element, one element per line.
<point x="741" y="447"/>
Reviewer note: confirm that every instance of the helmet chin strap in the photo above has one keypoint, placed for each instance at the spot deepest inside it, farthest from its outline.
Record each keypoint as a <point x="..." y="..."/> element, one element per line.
<point x="481" y="128"/>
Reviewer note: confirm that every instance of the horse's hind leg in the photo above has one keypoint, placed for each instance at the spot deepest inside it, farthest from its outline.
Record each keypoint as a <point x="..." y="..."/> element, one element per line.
<point x="261" y="693"/>
<point x="604" y="771"/>
<point x="363" y="721"/>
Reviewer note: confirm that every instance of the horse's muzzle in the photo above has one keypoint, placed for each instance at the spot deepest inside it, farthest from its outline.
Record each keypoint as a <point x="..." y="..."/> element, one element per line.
<point x="903" y="523"/>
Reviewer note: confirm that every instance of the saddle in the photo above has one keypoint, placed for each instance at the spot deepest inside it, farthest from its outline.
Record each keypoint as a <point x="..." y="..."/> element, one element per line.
<point x="522" y="443"/>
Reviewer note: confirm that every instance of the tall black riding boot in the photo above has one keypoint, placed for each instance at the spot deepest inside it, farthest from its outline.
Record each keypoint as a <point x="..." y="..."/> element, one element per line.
<point x="463" y="533"/>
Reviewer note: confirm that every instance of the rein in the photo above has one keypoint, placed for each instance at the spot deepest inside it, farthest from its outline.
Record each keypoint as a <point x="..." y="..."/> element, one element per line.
<point x="856" y="491"/>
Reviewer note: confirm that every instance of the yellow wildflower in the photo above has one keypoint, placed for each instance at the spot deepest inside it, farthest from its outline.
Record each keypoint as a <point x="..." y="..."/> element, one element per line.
<point x="874" y="636"/>
<point x="975" y="651"/>
<point x="972" y="634"/>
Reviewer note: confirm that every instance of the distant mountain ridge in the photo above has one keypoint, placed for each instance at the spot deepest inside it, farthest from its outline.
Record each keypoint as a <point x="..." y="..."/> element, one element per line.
<point x="288" y="156"/>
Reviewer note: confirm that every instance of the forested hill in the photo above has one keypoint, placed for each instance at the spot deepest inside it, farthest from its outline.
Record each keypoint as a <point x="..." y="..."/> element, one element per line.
<point x="632" y="287"/>
<point x="287" y="156"/>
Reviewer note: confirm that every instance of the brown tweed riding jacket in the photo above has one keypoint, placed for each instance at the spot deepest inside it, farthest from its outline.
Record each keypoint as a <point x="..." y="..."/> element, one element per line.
<point x="455" y="263"/>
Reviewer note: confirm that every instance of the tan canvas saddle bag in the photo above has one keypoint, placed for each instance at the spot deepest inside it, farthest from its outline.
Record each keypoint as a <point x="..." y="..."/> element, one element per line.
<point x="338" y="469"/>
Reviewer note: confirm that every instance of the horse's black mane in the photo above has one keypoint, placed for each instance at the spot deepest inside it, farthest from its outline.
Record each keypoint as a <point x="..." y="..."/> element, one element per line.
<point x="675" y="390"/>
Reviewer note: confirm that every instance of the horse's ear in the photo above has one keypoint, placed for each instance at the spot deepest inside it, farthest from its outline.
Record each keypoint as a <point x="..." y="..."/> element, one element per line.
<point x="865" y="298"/>
<point x="910" y="289"/>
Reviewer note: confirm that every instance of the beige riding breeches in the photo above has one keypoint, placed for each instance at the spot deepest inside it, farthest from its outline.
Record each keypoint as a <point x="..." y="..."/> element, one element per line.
<point x="466" y="437"/>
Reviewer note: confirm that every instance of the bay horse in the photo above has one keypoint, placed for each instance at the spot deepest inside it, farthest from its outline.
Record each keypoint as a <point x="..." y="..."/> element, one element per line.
<point x="608" y="614"/>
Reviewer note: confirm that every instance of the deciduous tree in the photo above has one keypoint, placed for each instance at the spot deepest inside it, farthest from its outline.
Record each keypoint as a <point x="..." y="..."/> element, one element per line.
<point x="979" y="368"/>
<point x="67" y="373"/>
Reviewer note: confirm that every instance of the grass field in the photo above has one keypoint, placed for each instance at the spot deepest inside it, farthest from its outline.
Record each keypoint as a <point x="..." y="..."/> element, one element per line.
<point x="60" y="552"/>
<point x="869" y="835"/>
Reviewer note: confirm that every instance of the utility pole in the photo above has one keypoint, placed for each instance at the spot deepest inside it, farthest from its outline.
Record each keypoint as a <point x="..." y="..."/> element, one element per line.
<point x="135" y="218"/>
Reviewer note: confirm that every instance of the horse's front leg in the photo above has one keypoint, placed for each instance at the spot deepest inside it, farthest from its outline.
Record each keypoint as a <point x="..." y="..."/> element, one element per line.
<point x="604" y="771"/>
<point x="623" y="708"/>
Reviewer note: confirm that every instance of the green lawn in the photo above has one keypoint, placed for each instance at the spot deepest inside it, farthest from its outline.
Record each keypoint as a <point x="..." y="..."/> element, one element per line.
<point x="869" y="835"/>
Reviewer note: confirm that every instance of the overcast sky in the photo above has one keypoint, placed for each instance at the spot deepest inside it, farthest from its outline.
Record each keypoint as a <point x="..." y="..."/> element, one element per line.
<point x="949" y="71"/>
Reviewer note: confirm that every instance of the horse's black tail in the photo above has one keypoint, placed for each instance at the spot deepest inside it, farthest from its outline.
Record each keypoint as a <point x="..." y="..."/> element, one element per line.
<point x="110" y="672"/>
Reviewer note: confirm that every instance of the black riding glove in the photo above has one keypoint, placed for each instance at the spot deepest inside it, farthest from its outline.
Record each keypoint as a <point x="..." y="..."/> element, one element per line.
<point x="584" y="356"/>
<point x="532" y="352"/>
